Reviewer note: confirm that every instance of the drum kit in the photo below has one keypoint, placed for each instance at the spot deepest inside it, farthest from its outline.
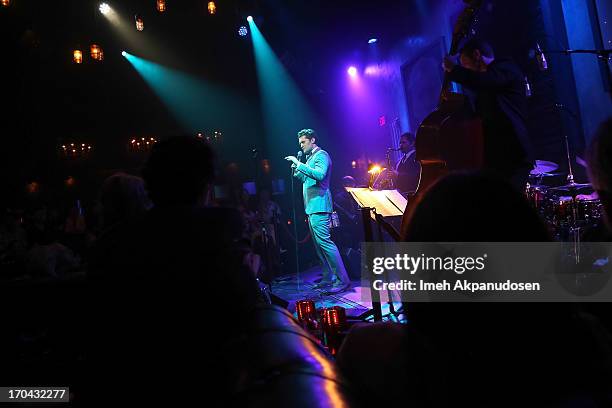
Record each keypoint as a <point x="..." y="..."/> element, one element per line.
<point x="569" y="209"/>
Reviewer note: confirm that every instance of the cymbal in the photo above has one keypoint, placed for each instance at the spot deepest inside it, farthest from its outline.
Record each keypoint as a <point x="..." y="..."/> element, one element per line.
<point x="543" y="166"/>
<point x="555" y="174"/>
<point x="538" y="186"/>
<point x="572" y="187"/>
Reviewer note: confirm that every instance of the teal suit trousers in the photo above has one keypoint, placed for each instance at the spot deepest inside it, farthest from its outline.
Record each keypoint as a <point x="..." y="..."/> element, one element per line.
<point x="315" y="175"/>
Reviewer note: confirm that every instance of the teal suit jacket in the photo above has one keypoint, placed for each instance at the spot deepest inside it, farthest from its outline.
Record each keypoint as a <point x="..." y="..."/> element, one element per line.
<point x="315" y="175"/>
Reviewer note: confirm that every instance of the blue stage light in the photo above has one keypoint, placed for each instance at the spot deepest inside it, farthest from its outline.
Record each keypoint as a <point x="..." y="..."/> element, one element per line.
<point x="243" y="31"/>
<point x="250" y="19"/>
<point x="372" y="40"/>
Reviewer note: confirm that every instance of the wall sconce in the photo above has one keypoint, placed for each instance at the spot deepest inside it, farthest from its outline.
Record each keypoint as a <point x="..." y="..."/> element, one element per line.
<point x="77" y="56"/>
<point x="96" y="52"/>
<point x="139" y="22"/>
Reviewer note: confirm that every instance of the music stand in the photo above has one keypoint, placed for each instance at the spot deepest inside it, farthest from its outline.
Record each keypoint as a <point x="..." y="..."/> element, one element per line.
<point x="376" y="205"/>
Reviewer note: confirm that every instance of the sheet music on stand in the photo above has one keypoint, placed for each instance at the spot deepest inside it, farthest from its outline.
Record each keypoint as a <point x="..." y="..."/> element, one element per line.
<point x="380" y="204"/>
<point x="388" y="203"/>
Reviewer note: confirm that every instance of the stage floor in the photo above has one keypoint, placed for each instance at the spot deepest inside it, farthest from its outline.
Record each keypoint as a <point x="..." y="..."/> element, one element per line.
<point x="287" y="288"/>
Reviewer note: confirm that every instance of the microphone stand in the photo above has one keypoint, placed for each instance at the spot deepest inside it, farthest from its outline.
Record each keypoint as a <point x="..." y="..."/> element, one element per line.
<point x="574" y="230"/>
<point x="297" y="246"/>
<point x="254" y="156"/>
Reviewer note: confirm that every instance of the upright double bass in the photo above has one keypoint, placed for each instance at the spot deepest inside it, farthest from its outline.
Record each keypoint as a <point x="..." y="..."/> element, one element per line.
<point x="450" y="138"/>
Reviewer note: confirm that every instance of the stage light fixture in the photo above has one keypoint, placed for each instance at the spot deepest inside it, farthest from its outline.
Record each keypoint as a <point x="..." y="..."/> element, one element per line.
<point x="372" y="40"/>
<point x="139" y="22"/>
<point x="243" y="31"/>
<point x="96" y="52"/>
<point x="77" y="57"/>
<point x="104" y="8"/>
<point x="6" y="3"/>
<point x="123" y="53"/>
<point x="250" y="19"/>
<point x="352" y="71"/>
<point x="161" y="5"/>
<point x="212" y="7"/>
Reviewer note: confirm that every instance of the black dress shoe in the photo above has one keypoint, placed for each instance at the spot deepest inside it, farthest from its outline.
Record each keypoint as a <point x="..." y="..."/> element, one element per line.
<point x="322" y="285"/>
<point x="338" y="287"/>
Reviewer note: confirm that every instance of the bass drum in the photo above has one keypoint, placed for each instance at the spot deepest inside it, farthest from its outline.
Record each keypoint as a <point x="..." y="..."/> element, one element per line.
<point x="588" y="210"/>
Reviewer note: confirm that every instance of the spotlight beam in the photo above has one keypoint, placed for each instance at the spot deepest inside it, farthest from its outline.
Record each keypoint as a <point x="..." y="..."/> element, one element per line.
<point x="137" y="41"/>
<point x="196" y="104"/>
<point x="284" y="119"/>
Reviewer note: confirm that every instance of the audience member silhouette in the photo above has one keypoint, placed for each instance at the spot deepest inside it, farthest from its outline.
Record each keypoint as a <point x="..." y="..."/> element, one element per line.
<point x="175" y="286"/>
<point x="48" y="258"/>
<point x="123" y="196"/>
<point x="474" y="207"/>
<point x="599" y="158"/>
<point x="494" y="349"/>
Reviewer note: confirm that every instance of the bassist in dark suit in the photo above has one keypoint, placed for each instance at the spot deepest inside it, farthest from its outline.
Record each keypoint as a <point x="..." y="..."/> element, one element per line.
<point x="496" y="90"/>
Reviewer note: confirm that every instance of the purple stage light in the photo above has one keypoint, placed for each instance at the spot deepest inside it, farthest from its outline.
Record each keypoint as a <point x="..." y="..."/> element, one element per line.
<point x="352" y="71"/>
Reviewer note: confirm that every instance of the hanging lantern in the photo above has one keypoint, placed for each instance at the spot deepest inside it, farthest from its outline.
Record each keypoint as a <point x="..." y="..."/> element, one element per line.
<point x="6" y="3"/>
<point x="96" y="52"/>
<point x="212" y="7"/>
<point x="139" y="22"/>
<point x="161" y="5"/>
<point x="77" y="56"/>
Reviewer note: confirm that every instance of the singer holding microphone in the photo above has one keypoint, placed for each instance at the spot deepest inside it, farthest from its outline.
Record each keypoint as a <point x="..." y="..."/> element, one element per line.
<point x="496" y="89"/>
<point x="315" y="175"/>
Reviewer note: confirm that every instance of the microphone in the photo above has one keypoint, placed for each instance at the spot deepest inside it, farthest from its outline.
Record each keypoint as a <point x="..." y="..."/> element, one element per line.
<point x="393" y="150"/>
<point x="541" y="58"/>
<point x="293" y="165"/>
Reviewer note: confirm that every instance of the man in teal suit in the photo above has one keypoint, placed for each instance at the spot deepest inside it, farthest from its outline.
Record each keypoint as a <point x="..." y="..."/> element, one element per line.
<point x="315" y="175"/>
